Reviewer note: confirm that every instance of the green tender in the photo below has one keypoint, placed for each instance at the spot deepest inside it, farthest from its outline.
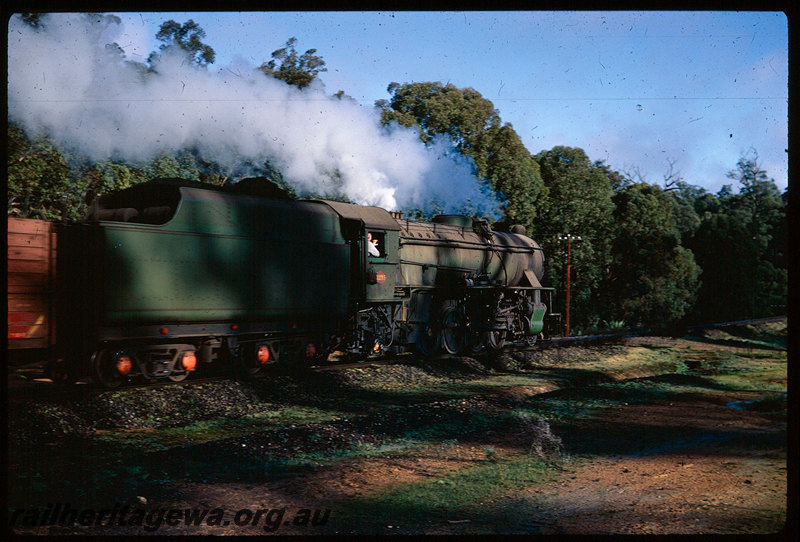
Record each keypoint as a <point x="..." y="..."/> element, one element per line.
<point x="226" y="258"/>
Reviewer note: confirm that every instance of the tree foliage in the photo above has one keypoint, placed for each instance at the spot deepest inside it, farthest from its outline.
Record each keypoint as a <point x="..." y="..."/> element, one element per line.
<point x="653" y="278"/>
<point x="186" y="37"/>
<point x="577" y="200"/>
<point x="720" y="243"/>
<point x="43" y="178"/>
<point x="475" y="129"/>
<point x="38" y="174"/>
<point x="296" y="70"/>
<point x="758" y="203"/>
<point x="741" y="244"/>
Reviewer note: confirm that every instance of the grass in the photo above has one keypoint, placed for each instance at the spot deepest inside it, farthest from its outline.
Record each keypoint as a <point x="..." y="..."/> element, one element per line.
<point x="219" y="428"/>
<point x="461" y="496"/>
<point x="640" y="358"/>
<point x="772" y="335"/>
<point x="759" y="370"/>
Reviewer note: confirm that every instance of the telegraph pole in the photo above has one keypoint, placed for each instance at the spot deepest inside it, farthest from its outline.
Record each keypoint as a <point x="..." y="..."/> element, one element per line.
<point x="568" y="238"/>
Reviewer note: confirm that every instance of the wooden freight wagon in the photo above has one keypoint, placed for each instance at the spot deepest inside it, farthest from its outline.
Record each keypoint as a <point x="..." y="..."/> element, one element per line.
<point x="31" y="270"/>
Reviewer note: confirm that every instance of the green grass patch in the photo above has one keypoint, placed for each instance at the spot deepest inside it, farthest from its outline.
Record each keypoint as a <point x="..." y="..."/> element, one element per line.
<point x="772" y="335"/>
<point x="415" y="508"/>
<point x="561" y="409"/>
<point x="219" y="428"/>
<point x="761" y="380"/>
<point x="761" y="370"/>
<point x="620" y="359"/>
<point x="491" y="384"/>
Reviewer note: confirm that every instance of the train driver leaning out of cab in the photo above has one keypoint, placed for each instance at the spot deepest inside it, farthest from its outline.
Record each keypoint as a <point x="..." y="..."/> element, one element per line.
<point x="372" y="246"/>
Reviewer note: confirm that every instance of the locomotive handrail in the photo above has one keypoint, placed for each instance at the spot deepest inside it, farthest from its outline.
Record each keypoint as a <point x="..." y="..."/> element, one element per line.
<point x="501" y="287"/>
<point x="436" y="265"/>
<point x="466" y="244"/>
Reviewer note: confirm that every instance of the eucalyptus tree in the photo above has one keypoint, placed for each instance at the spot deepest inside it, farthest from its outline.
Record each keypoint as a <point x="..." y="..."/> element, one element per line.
<point x="38" y="174"/>
<point x="653" y="279"/>
<point x="186" y="37"/>
<point x="475" y="129"/>
<point x="742" y="246"/>
<point x="577" y="200"/>
<point x="288" y="66"/>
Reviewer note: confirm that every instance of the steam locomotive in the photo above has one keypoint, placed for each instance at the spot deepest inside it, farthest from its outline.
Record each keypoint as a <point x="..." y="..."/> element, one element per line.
<point x="167" y="276"/>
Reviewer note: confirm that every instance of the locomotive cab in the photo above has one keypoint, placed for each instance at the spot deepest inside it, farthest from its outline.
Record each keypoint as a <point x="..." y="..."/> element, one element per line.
<point x="381" y="271"/>
<point x="373" y="275"/>
<point x="376" y="274"/>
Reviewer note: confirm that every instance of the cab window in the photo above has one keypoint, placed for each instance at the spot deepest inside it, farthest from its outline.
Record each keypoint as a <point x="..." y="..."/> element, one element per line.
<point x="378" y="248"/>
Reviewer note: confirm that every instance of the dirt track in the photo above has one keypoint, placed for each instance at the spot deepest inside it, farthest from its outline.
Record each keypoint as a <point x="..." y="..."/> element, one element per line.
<point x="723" y="471"/>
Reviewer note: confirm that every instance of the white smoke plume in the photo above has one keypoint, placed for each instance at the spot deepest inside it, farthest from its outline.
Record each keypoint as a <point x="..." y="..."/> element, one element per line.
<point x="63" y="81"/>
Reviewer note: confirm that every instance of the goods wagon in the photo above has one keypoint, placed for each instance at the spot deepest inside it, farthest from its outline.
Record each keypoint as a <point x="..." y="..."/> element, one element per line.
<point x="31" y="250"/>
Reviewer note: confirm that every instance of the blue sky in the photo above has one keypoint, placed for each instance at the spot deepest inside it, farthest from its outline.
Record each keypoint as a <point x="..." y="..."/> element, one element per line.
<point x="636" y="89"/>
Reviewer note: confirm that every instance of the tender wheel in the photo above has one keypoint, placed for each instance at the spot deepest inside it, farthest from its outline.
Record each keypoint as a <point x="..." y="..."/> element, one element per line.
<point x="453" y="337"/>
<point x="178" y="377"/>
<point x="111" y="368"/>
<point x="185" y="363"/>
<point x="428" y="341"/>
<point x="256" y="359"/>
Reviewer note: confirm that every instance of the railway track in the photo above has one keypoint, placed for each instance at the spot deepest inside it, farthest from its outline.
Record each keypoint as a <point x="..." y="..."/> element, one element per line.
<point x="738" y="322"/>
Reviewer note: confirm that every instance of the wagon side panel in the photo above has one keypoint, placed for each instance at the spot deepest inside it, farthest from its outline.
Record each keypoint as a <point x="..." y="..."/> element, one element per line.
<point x="31" y="262"/>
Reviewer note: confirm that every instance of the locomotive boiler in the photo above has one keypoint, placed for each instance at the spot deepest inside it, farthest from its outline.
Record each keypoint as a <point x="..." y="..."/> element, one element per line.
<point x="169" y="276"/>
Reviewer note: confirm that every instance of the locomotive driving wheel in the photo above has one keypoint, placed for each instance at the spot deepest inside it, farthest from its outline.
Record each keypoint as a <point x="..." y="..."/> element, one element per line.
<point x="530" y="339"/>
<point x="429" y="340"/>
<point x="453" y="334"/>
<point x="496" y="339"/>
<point x="473" y="340"/>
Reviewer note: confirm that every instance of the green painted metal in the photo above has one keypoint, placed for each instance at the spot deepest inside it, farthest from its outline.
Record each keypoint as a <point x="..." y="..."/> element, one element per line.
<point x="226" y="257"/>
<point x="433" y="254"/>
<point x="388" y="264"/>
<point x="537" y="320"/>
